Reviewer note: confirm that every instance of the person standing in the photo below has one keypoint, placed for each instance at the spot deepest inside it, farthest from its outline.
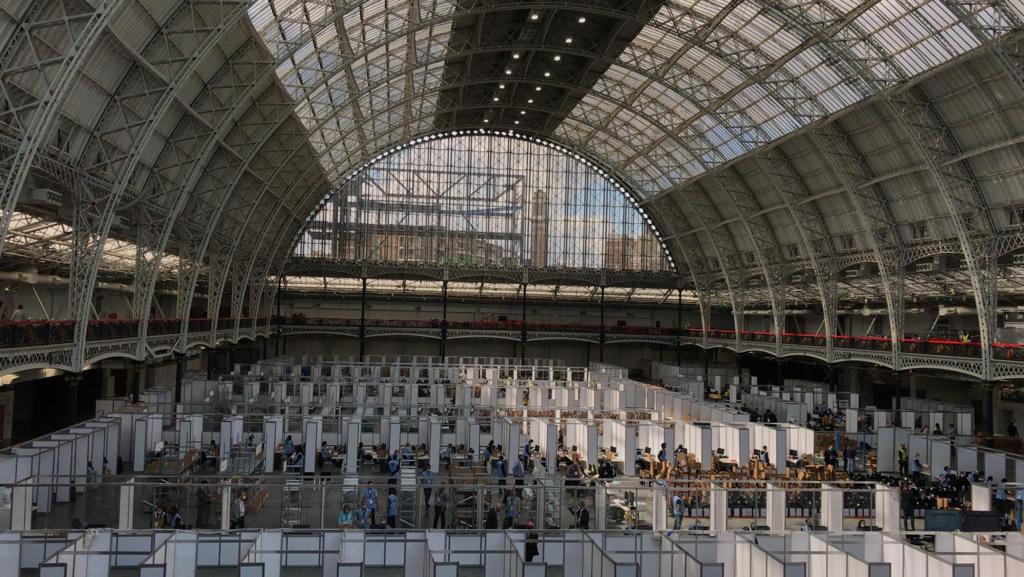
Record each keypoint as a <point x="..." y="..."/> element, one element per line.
<point x="1011" y="429"/>
<point x="392" y="509"/>
<point x="510" y="510"/>
<point x="364" y="515"/>
<point x="582" y="515"/>
<point x="426" y="481"/>
<point x="519" y="473"/>
<point x="440" y="507"/>
<point x="907" y="503"/>
<point x="19" y="314"/>
<point x="370" y="496"/>
<point x="393" y="469"/>
<point x="492" y="517"/>
<point x="238" y="511"/>
<point x="903" y="458"/>
<point x="531" y="550"/>
<point x="915" y="468"/>
<point x="204" y="498"/>
<point x="677" y="512"/>
<point x="499" y="468"/>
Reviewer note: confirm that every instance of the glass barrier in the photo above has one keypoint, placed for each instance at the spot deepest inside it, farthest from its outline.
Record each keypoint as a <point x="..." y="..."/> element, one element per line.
<point x="291" y="501"/>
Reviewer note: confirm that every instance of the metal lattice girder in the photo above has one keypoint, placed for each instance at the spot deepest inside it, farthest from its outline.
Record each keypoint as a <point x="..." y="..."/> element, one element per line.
<point x="878" y="231"/>
<point x="146" y="94"/>
<point x="36" y="78"/>
<point x="766" y="250"/>
<point x="814" y="240"/>
<point x="722" y="246"/>
<point x="916" y="117"/>
<point x="225" y="174"/>
<point x="192" y="178"/>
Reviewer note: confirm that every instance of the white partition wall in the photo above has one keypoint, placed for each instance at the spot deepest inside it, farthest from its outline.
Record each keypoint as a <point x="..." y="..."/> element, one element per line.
<point x="147" y="432"/>
<point x="832" y="507"/>
<point x="312" y="433"/>
<point x="995" y="465"/>
<point x="887" y="508"/>
<point x="273" y="435"/>
<point x="629" y="448"/>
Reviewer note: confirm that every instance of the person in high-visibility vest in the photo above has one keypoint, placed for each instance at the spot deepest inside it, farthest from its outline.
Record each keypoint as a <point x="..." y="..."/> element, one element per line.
<point x="903" y="458"/>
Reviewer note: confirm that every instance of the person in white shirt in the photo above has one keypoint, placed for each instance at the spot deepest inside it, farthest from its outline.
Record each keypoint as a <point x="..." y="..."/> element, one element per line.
<point x="238" y="511"/>
<point x="19" y="314"/>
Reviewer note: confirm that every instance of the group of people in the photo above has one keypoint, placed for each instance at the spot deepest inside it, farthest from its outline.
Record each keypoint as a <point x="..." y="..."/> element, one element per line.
<point x="919" y="490"/>
<point x="365" y="515"/>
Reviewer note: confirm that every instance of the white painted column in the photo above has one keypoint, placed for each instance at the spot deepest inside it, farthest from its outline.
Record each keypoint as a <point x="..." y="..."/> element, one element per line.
<point x="313" y="430"/>
<point x="551" y="433"/>
<point x="273" y="434"/>
<point x="887" y="508"/>
<point x="780" y="451"/>
<point x="981" y="497"/>
<point x="718" y="501"/>
<point x="775" y="500"/>
<point x="593" y="441"/>
<point x="225" y="507"/>
<point x="435" y="445"/>
<point x="832" y="507"/>
<point x="473" y="441"/>
<point x="125" y="516"/>
<point x="660" y="505"/>
<point x="385" y="432"/>
<point x="21" y="506"/>
<point x="352" y="432"/>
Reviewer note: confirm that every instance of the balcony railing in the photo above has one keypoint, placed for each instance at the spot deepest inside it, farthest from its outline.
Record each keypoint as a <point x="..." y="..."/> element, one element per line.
<point x="18" y="334"/>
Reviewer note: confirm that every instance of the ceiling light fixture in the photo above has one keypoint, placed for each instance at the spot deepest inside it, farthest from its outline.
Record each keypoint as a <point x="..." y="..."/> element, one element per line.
<point x="547" y="75"/>
<point x="582" y="20"/>
<point x="501" y="86"/>
<point x="534" y="16"/>
<point x="568" y="40"/>
<point x="515" y="56"/>
<point x="558" y="58"/>
<point x="537" y="89"/>
<point x="522" y="112"/>
<point x="508" y="71"/>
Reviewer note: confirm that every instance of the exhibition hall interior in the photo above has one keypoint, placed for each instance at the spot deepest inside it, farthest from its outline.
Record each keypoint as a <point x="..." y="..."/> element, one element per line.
<point x="566" y="288"/>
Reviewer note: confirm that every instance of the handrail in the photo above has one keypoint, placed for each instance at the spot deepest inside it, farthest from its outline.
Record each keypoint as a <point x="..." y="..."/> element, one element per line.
<point x="29" y="333"/>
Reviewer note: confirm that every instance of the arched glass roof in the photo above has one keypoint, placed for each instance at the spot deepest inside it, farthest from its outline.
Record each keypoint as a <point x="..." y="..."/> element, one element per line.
<point x="695" y="84"/>
<point x="484" y="200"/>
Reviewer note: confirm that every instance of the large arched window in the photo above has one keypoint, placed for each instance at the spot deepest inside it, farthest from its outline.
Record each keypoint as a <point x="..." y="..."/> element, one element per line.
<point x="484" y="200"/>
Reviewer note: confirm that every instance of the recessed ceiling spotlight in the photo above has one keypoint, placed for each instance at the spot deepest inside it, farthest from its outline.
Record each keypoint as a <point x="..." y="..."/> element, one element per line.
<point x="547" y="75"/>
<point x="496" y="99"/>
<point x="537" y="89"/>
<point x="530" y="101"/>
<point x="517" y="122"/>
<point x="501" y="86"/>
<point x="522" y="112"/>
<point x="558" y="57"/>
<point x="486" y="120"/>
<point x="582" y="20"/>
<point x="534" y="16"/>
<point x="568" y="40"/>
<point x="508" y="71"/>
<point x="515" y="56"/>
